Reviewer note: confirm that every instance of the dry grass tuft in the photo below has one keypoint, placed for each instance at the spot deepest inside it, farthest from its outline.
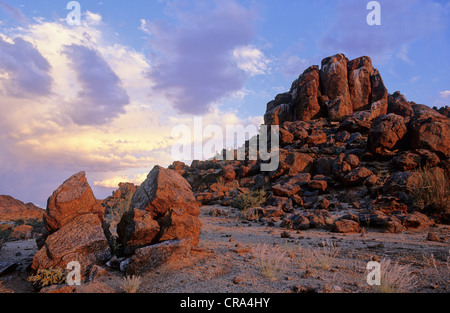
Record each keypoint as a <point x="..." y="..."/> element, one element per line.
<point x="395" y="278"/>
<point x="271" y="260"/>
<point x="433" y="190"/>
<point x="322" y="257"/>
<point x="130" y="284"/>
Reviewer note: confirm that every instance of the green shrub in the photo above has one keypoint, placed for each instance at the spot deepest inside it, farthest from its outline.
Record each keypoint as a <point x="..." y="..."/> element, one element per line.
<point x="251" y="200"/>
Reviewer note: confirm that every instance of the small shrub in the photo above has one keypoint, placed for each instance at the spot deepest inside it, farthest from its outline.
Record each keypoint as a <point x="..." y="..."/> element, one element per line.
<point x="432" y="192"/>
<point x="37" y="224"/>
<point x="251" y="200"/>
<point x="130" y="284"/>
<point x="395" y="278"/>
<point x="271" y="260"/>
<point x="5" y="232"/>
<point x="324" y="256"/>
<point x="116" y="247"/>
<point x="48" y="277"/>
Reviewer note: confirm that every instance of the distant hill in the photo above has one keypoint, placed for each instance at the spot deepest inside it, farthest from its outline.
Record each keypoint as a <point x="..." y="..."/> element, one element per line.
<point x="12" y="210"/>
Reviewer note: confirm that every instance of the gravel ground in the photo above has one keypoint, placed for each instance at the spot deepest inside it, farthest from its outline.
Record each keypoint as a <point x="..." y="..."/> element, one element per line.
<point x="246" y="257"/>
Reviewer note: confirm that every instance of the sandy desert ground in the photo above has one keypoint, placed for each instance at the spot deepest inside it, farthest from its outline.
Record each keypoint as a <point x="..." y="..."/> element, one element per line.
<point x="231" y="258"/>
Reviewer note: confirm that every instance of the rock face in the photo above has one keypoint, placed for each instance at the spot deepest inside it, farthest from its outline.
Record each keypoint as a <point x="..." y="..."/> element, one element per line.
<point x="306" y="95"/>
<point x="81" y="240"/>
<point x="335" y="87"/>
<point x="74" y="219"/>
<point x="430" y="130"/>
<point x="152" y="257"/>
<point x="386" y="132"/>
<point x="163" y="208"/>
<point x="119" y="197"/>
<point x="73" y="198"/>
<point x="359" y="81"/>
<point x="12" y="210"/>
<point x="336" y="91"/>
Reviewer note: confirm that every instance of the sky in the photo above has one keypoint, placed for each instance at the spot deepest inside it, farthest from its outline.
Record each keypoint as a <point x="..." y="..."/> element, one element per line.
<point x="104" y="96"/>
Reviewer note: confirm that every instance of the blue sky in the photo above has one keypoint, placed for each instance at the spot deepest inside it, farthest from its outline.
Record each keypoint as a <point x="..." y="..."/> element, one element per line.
<point x="103" y="96"/>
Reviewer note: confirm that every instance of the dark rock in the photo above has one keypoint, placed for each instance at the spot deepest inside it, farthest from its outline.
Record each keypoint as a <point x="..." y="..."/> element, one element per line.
<point x="152" y="257"/>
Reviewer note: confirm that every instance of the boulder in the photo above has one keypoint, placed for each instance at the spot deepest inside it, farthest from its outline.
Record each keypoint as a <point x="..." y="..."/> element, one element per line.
<point x="286" y="138"/>
<point x="137" y="229"/>
<point x="340" y="168"/>
<point x="359" y="80"/>
<point x="152" y="257"/>
<point x="430" y="130"/>
<point x="407" y="161"/>
<point x="73" y="198"/>
<point x="316" y="137"/>
<point x="296" y="222"/>
<point x="306" y="94"/>
<point x="345" y="226"/>
<point x="397" y="104"/>
<point x="357" y="176"/>
<point x="323" y="166"/>
<point x="279" y="115"/>
<point x="166" y="198"/>
<point x="401" y="182"/>
<point x="228" y="173"/>
<point x="352" y="160"/>
<point x="379" y="96"/>
<point x="334" y="79"/>
<point x="317" y="184"/>
<point x="389" y="205"/>
<point x="81" y="240"/>
<point x="298" y="163"/>
<point x="285" y="190"/>
<point x="386" y="132"/>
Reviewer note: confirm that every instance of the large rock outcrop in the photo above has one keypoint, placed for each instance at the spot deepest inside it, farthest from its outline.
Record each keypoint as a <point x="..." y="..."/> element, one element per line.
<point x="336" y="90"/>
<point x="163" y="208"/>
<point x="76" y="229"/>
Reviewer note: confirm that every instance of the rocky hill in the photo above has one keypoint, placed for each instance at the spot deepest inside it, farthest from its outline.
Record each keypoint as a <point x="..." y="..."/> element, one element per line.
<point x="347" y="146"/>
<point x="12" y="210"/>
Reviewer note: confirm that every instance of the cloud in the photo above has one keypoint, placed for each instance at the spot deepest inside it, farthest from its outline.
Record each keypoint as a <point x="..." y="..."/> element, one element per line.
<point x="116" y="180"/>
<point x="197" y="51"/>
<point x="102" y="97"/>
<point x="93" y="19"/>
<point x="402" y="22"/>
<point x="445" y="94"/>
<point x="99" y="115"/>
<point x="14" y="12"/>
<point x="251" y="60"/>
<point x="24" y="72"/>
